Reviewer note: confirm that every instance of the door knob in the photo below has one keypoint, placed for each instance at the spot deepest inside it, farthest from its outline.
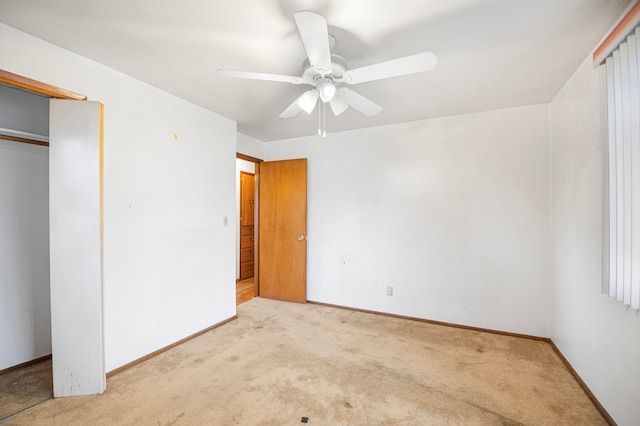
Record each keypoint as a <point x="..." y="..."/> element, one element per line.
<point x="301" y="238"/>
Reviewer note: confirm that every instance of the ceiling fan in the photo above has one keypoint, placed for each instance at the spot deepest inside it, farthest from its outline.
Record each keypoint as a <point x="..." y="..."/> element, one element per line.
<point x="328" y="74"/>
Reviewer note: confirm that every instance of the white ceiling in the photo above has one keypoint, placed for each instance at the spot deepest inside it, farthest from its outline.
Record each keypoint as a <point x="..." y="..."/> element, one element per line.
<point x="491" y="53"/>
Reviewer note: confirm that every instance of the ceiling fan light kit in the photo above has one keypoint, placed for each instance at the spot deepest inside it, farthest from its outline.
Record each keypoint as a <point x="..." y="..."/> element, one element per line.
<point x="308" y="100"/>
<point x="327" y="73"/>
<point x="338" y="105"/>
<point x="326" y="89"/>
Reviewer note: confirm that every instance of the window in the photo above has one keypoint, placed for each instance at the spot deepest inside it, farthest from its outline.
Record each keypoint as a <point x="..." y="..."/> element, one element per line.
<point x="618" y="60"/>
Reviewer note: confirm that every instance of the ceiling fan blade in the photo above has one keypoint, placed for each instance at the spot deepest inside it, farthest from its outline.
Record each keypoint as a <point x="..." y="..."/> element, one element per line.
<point x="305" y="102"/>
<point x="315" y="37"/>
<point x="261" y="76"/>
<point x="402" y="66"/>
<point x="338" y="105"/>
<point x="359" y="102"/>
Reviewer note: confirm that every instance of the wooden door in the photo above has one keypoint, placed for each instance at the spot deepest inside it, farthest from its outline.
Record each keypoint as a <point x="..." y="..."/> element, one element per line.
<point x="247" y="198"/>
<point x="247" y="225"/>
<point x="283" y="230"/>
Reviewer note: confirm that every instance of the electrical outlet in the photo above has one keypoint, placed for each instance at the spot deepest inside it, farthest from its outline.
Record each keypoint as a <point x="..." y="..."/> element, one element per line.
<point x="389" y="290"/>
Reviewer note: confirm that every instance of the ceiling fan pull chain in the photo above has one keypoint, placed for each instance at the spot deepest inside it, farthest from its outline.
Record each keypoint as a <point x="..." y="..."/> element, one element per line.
<point x="319" y="126"/>
<point x="324" y="119"/>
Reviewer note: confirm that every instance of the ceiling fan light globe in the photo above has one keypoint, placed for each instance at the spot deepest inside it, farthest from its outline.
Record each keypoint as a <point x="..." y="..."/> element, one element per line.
<point x="338" y="105"/>
<point x="327" y="90"/>
<point x="307" y="101"/>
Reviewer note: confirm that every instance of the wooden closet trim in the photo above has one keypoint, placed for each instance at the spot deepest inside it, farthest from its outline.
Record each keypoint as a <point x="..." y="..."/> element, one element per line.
<point x="23" y="140"/>
<point x="38" y="87"/>
<point x="35" y="86"/>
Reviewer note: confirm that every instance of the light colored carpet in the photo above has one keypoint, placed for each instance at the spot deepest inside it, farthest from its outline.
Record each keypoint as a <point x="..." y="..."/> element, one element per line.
<point x="281" y="361"/>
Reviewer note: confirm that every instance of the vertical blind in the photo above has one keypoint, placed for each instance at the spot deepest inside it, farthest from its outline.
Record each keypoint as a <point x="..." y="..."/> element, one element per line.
<point x="620" y="97"/>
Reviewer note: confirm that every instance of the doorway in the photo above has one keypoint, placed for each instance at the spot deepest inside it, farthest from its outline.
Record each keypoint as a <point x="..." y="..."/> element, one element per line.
<point x="279" y="245"/>
<point x="247" y="174"/>
<point x="26" y="376"/>
<point x="74" y="212"/>
<point x="247" y="225"/>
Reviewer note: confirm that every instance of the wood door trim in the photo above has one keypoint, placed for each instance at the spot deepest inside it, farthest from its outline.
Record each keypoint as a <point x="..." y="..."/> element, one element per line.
<point x="256" y="230"/>
<point x="248" y="158"/>
<point x="35" y="86"/>
<point x="256" y="218"/>
<point x="39" y="87"/>
<point x="23" y="140"/>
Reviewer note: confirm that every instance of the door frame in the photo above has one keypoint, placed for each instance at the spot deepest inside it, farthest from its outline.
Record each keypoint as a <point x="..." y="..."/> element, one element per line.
<point x="256" y="219"/>
<point x="39" y="87"/>
<point x="34" y="86"/>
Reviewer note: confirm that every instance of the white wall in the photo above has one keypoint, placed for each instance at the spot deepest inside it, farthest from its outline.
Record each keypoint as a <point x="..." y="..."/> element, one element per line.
<point x="25" y="317"/>
<point x="168" y="182"/>
<point x="241" y="166"/>
<point x="599" y="336"/>
<point x="250" y="146"/>
<point x="454" y="213"/>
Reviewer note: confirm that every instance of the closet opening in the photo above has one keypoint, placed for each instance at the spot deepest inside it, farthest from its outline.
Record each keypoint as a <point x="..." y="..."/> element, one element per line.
<point x="26" y="373"/>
